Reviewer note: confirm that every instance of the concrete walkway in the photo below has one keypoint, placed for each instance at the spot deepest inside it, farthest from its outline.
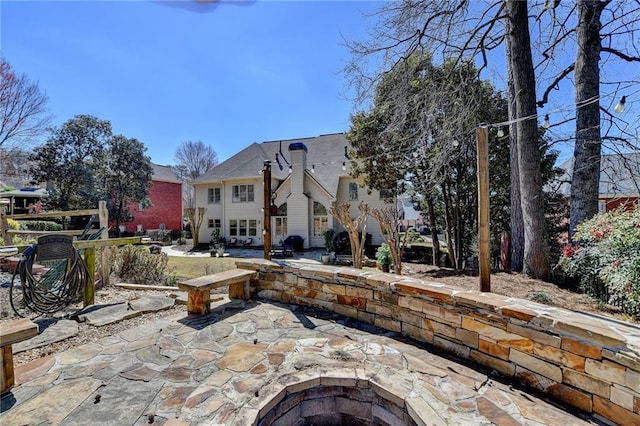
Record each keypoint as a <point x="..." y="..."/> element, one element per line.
<point x="312" y="255"/>
<point x="264" y="363"/>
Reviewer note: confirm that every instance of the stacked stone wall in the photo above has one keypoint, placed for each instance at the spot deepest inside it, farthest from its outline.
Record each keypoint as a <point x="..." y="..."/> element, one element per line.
<point x="585" y="361"/>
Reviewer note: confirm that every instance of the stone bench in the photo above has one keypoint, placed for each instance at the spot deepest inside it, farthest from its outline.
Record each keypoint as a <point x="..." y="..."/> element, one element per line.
<point x="12" y="332"/>
<point x="199" y="289"/>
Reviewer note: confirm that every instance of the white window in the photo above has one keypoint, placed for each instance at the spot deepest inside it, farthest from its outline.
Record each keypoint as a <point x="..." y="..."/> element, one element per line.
<point x="281" y="227"/>
<point x="214" y="224"/>
<point x="320" y="219"/>
<point x="242" y="194"/>
<point x="213" y="195"/>
<point x="387" y="194"/>
<point x="243" y="227"/>
<point x="353" y="191"/>
<point x="280" y="222"/>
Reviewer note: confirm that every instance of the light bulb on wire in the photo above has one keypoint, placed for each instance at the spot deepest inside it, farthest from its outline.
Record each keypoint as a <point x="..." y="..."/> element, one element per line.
<point x="344" y="166"/>
<point x="313" y="168"/>
<point x="289" y="169"/>
<point x="374" y="162"/>
<point x="500" y="132"/>
<point x="546" y="123"/>
<point x="619" y="108"/>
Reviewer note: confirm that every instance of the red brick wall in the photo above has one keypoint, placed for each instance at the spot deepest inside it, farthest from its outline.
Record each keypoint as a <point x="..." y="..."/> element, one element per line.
<point x="627" y="202"/>
<point x="166" y="200"/>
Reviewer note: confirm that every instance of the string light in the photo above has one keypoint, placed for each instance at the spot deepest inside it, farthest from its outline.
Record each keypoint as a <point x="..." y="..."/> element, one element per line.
<point x="313" y="168"/>
<point x="289" y="169"/>
<point x="500" y="126"/>
<point x="619" y="108"/>
<point x="374" y="162"/>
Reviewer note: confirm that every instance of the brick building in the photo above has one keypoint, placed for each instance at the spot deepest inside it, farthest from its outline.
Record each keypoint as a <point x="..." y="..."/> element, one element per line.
<point x="165" y="211"/>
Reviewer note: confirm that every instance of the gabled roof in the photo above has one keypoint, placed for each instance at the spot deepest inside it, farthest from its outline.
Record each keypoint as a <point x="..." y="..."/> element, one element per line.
<point x="164" y="174"/>
<point x="619" y="175"/>
<point x="326" y="152"/>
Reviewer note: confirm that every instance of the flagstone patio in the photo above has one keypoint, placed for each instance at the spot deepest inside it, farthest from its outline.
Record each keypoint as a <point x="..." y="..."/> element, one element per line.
<point x="260" y="362"/>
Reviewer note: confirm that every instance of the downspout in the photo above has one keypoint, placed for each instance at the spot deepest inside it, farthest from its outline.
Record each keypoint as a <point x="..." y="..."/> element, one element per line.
<point x="223" y="219"/>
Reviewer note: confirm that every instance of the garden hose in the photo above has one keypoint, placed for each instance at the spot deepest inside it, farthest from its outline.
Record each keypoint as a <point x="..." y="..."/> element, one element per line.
<point x="59" y="287"/>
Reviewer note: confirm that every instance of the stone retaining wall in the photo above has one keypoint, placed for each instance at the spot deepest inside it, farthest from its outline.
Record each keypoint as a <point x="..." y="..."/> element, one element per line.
<point x="585" y="361"/>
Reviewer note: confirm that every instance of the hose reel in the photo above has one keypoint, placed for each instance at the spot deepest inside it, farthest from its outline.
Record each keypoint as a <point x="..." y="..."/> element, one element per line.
<point x="60" y="286"/>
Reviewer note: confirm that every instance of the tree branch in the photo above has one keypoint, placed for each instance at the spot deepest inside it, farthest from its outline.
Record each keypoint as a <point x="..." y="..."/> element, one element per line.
<point x="620" y="55"/>
<point x="558" y="79"/>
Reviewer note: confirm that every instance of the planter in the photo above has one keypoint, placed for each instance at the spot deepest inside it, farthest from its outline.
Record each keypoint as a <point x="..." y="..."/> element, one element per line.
<point x="325" y="258"/>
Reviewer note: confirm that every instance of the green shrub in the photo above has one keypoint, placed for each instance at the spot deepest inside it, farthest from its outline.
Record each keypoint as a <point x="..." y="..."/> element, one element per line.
<point x="606" y="259"/>
<point x="137" y="264"/>
<point x="383" y="256"/>
<point x="40" y="225"/>
<point x="17" y="239"/>
<point x="540" y="297"/>
<point x="413" y="236"/>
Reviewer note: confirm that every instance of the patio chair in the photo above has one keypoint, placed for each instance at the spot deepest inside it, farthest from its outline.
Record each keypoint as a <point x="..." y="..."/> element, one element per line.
<point x="233" y="241"/>
<point x="248" y="242"/>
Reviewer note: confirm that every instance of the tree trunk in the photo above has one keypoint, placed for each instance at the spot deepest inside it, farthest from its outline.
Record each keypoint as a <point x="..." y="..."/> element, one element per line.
<point x="448" y="225"/>
<point x="536" y="251"/>
<point x="434" y="231"/>
<point x="585" y="180"/>
<point x="517" y="226"/>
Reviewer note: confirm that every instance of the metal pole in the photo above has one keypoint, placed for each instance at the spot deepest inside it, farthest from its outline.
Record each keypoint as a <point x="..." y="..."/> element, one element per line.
<point x="484" y="254"/>
<point x="266" y="237"/>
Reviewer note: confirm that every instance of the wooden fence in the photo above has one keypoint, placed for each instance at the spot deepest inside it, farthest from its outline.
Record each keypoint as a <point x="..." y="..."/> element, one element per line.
<point x="88" y="246"/>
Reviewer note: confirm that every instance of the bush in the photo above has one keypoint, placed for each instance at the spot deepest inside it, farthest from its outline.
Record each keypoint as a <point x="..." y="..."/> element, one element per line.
<point x="137" y="264"/>
<point x="413" y="236"/>
<point x="606" y="259"/>
<point x="383" y="256"/>
<point x="40" y="225"/>
<point x="342" y="245"/>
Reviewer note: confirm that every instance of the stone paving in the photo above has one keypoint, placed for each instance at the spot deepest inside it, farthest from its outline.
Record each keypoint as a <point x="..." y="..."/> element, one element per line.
<point x="261" y="362"/>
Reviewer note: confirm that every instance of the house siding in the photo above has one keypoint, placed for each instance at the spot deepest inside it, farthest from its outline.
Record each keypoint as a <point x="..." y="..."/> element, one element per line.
<point x="227" y="210"/>
<point x="373" y="200"/>
<point x="299" y="188"/>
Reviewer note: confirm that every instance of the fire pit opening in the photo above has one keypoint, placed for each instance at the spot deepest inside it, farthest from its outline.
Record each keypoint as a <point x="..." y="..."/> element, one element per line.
<point x="362" y="405"/>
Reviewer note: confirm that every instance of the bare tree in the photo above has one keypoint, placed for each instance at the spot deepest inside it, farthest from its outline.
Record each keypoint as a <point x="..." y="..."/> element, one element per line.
<point x="195" y="221"/>
<point x="23" y="107"/>
<point x="356" y="228"/>
<point x="193" y="159"/>
<point x="387" y="219"/>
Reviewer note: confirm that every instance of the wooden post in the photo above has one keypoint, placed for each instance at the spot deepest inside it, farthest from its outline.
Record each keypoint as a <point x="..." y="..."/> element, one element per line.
<point x="4" y="227"/>
<point x="266" y="237"/>
<point x="88" y="295"/>
<point x="484" y="253"/>
<point x="103" y="216"/>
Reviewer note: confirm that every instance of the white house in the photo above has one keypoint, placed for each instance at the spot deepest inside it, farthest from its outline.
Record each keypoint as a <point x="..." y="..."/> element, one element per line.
<point x="307" y="177"/>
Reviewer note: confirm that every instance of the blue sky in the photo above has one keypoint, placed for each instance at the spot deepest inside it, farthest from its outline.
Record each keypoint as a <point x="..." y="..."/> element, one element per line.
<point x="228" y="74"/>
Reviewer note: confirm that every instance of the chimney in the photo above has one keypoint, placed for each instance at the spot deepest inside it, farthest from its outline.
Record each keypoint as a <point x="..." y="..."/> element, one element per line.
<point x="298" y="156"/>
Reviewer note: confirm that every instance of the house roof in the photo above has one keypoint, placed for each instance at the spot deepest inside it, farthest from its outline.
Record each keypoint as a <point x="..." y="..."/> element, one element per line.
<point x="325" y="152"/>
<point x="619" y="175"/>
<point x="25" y="192"/>
<point x="164" y="174"/>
